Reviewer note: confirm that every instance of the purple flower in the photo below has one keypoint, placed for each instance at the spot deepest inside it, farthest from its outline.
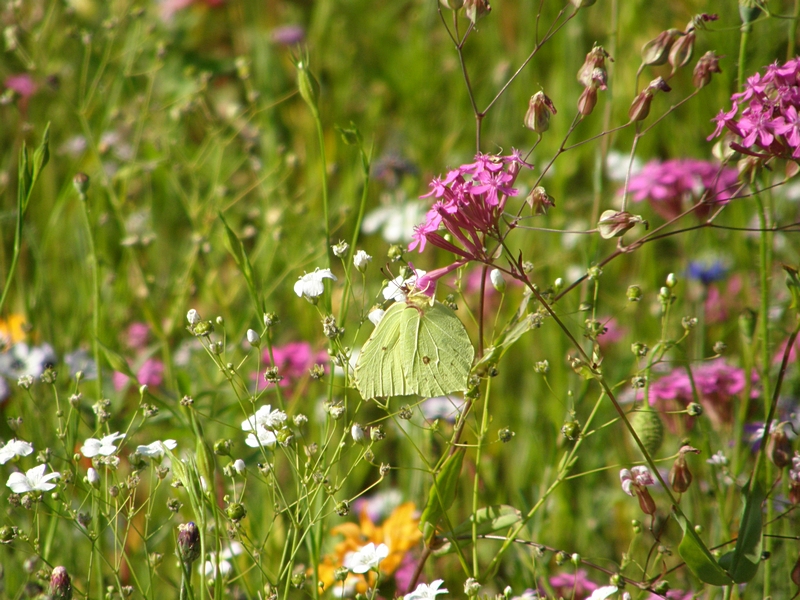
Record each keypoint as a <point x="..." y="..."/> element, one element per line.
<point x="671" y="184"/>
<point x="705" y="272"/>
<point x="288" y="35"/>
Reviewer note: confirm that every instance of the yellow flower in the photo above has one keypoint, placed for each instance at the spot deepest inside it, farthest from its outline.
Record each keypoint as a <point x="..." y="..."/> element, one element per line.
<point x="400" y="532"/>
<point x="12" y="330"/>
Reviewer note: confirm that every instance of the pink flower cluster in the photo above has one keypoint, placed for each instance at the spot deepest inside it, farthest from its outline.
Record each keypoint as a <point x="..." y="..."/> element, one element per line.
<point x="151" y="371"/>
<point x="672" y="183"/>
<point x="716" y="382"/>
<point x="769" y="119"/>
<point x="469" y="204"/>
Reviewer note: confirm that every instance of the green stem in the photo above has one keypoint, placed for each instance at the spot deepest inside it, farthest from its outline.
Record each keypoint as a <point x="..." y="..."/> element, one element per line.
<point x="95" y="298"/>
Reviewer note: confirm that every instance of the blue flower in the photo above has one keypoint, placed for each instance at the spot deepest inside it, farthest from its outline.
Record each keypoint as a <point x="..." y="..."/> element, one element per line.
<point x="706" y="272"/>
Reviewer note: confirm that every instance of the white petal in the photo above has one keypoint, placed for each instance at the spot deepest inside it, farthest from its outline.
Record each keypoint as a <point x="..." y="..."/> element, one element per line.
<point x="18" y="483"/>
<point x="603" y="592"/>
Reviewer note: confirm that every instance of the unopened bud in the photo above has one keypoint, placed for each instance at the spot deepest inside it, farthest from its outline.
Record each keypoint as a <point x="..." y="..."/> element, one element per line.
<point x="656" y="51"/>
<point x="681" y="52"/>
<point x="614" y="223"/>
<point x="539" y="200"/>
<point x="308" y="86"/>
<point x="253" y="338"/>
<point x="475" y="9"/>
<point x="236" y="512"/>
<point x="680" y="477"/>
<point x="694" y="409"/>
<point x="223" y="447"/>
<point x="60" y="584"/>
<point x="640" y="107"/>
<point x="496" y="277"/>
<point x="646" y="502"/>
<point x="705" y="67"/>
<point x="188" y="542"/>
<point x="540" y="108"/>
<point x="587" y="101"/>
<point x="595" y="59"/>
<point x="93" y="477"/>
<point x="357" y="433"/>
<point x="779" y="448"/>
<point x="634" y="293"/>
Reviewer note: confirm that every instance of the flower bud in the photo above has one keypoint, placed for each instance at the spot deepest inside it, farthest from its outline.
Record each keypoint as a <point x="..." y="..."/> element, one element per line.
<point x="188" y="542"/>
<point x="634" y="293"/>
<point x="253" y="338"/>
<point x="694" y="409"/>
<point x="60" y="584"/>
<point x="93" y="477"/>
<point x="452" y="4"/>
<point x="81" y="184"/>
<point x="656" y="51"/>
<point x="540" y="108"/>
<point x="672" y="280"/>
<point x="471" y="587"/>
<point x="614" y="223"/>
<point x="708" y="64"/>
<point x="640" y="107"/>
<point x="498" y="282"/>
<point x="587" y="101"/>
<point x="360" y="260"/>
<point x="307" y="85"/>
<point x="681" y="52"/>
<point x="236" y="511"/>
<point x="239" y="466"/>
<point x="595" y="59"/>
<point x="340" y="249"/>
<point x="679" y="475"/>
<point x="193" y="317"/>
<point x="475" y="9"/>
<point x="358" y="434"/>
<point x="646" y="502"/>
<point x="223" y="447"/>
<point x="539" y="200"/>
<point x="796" y="572"/>
<point x="779" y="448"/>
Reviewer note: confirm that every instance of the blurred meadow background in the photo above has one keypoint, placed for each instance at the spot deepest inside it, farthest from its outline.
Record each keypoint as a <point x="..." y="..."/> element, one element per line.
<point x="205" y="154"/>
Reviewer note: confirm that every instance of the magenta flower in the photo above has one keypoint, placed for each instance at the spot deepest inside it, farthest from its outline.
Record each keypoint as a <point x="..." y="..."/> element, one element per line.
<point x="138" y="334"/>
<point x="294" y="361"/>
<point x="573" y="585"/>
<point x="717" y="383"/>
<point x="469" y="204"/>
<point x="151" y="374"/>
<point x="287" y="35"/>
<point x="673" y="185"/>
<point x="22" y="84"/>
<point x="768" y="124"/>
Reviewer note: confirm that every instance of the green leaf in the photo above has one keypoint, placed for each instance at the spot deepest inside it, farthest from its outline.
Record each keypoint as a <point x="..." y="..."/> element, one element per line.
<point x="236" y="248"/>
<point x="698" y="558"/>
<point x="415" y="349"/>
<point x="742" y="563"/>
<point x="117" y="362"/>
<point x="442" y="494"/>
<point x="41" y="155"/>
<point x="488" y="520"/>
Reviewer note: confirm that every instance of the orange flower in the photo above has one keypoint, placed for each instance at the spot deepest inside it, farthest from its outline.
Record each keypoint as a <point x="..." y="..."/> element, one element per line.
<point x="400" y="532"/>
<point x="12" y="330"/>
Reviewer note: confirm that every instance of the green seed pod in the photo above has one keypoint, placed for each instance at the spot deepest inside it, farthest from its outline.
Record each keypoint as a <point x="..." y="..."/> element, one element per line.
<point x="649" y="427"/>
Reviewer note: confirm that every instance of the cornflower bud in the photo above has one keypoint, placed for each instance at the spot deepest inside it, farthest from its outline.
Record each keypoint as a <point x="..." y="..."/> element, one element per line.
<point x="708" y="64"/>
<point x="656" y="51"/>
<point x="540" y="108"/>
<point x="640" y="107"/>
<point x="188" y="542"/>
<point x="60" y="584"/>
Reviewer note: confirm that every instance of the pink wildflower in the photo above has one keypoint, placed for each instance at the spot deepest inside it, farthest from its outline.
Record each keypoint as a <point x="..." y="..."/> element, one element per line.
<point x="573" y="585"/>
<point x="769" y="119"/>
<point x="673" y="185"/>
<point x="635" y="483"/>
<point x="469" y="204"/>
<point x="22" y="84"/>
<point x="138" y="334"/>
<point x="717" y="383"/>
<point x="151" y="374"/>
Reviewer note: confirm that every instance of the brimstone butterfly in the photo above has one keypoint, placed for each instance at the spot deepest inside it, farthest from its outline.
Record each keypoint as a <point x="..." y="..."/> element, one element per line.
<point x="416" y="348"/>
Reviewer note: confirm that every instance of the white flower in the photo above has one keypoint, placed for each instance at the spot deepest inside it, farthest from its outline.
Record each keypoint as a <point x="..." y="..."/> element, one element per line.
<point x="105" y="446"/>
<point x="366" y="558"/>
<point x="604" y="592"/>
<point x="33" y="480"/>
<point x="361" y="259"/>
<point x="209" y="569"/>
<point x="239" y="466"/>
<point x="357" y="431"/>
<point x="719" y="459"/>
<point x="396" y="288"/>
<point x="265" y="417"/>
<point x="310" y="284"/>
<point x="498" y="282"/>
<point x="253" y="338"/>
<point x="376" y="315"/>
<point x="426" y="592"/>
<point x="265" y="438"/>
<point x="156" y="449"/>
<point x="22" y="359"/>
<point x="396" y="223"/>
<point x="13" y="449"/>
<point x="193" y="317"/>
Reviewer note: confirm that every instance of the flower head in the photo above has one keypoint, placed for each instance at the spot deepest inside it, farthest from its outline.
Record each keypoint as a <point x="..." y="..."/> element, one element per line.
<point x="361" y="259"/>
<point x="366" y="558"/>
<point x="426" y="592"/>
<point x="13" y="449"/>
<point x="32" y="480"/>
<point x="310" y="285"/>
<point x="265" y="417"/>
<point x="578" y="583"/>
<point x="105" y="445"/>
<point x="156" y="449"/>
<point x="636" y="478"/>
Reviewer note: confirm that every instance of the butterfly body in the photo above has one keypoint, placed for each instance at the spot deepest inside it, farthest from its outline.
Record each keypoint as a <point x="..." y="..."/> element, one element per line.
<point x="417" y="348"/>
